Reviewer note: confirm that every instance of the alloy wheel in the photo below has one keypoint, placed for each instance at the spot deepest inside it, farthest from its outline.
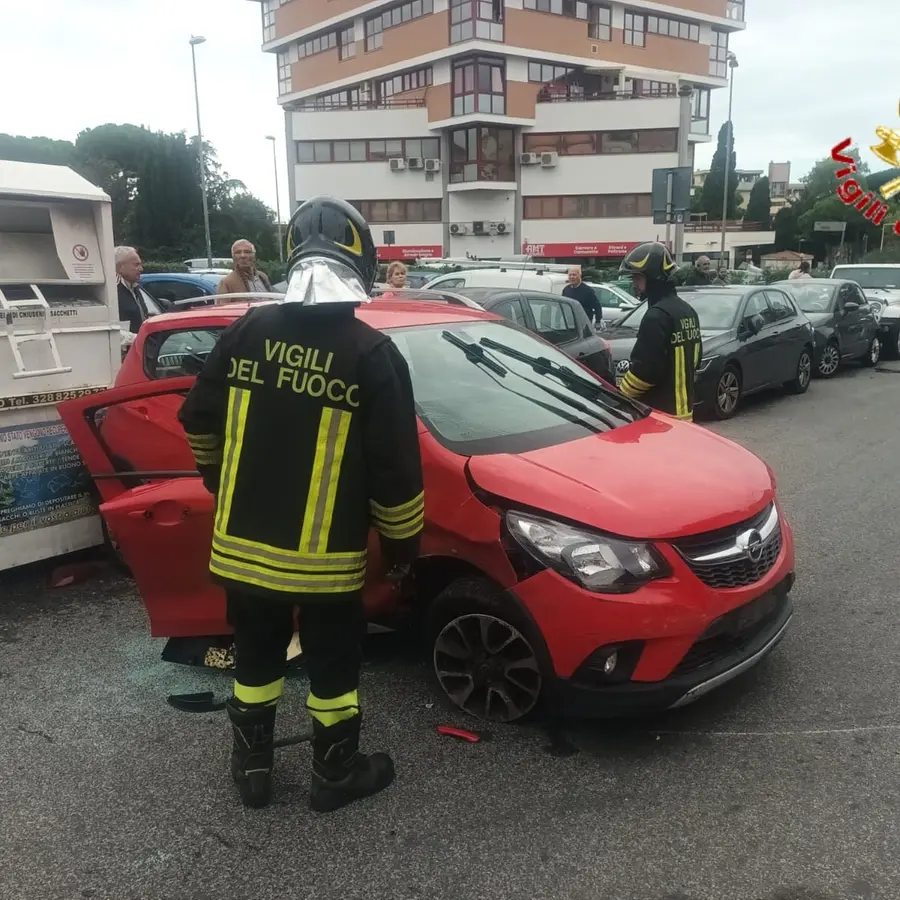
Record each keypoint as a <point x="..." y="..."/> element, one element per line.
<point x="727" y="392"/>
<point x="829" y="361"/>
<point x="804" y="369"/>
<point x="487" y="667"/>
<point x="875" y="350"/>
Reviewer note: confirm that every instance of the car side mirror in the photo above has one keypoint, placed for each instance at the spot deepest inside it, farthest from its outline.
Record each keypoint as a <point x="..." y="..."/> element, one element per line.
<point x="750" y="326"/>
<point x="851" y="306"/>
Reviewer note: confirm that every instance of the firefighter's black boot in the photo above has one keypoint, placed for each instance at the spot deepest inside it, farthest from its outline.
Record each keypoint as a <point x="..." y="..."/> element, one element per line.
<point x="341" y="774"/>
<point x="253" y="754"/>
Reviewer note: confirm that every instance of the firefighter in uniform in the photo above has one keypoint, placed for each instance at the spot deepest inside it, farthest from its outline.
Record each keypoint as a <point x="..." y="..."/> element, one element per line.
<point x="668" y="346"/>
<point x="302" y="424"/>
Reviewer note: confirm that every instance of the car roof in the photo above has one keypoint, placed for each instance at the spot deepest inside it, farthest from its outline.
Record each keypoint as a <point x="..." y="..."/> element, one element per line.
<point x="799" y="282"/>
<point x="867" y="265"/>
<point x="380" y="314"/>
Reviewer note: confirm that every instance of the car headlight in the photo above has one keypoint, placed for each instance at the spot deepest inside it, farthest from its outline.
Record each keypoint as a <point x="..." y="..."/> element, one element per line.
<point x="596" y="562"/>
<point x="705" y="363"/>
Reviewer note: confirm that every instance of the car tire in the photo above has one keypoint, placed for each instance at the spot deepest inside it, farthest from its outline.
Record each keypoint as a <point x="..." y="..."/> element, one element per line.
<point x="829" y="361"/>
<point x="477" y="638"/>
<point x="872" y="355"/>
<point x="726" y="400"/>
<point x="799" y="384"/>
<point x="890" y="346"/>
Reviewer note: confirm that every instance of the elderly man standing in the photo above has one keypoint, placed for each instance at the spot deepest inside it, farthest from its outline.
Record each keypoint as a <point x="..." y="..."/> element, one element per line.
<point x="700" y="272"/>
<point x="576" y="289"/>
<point x="244" y="275"/>
<point x="135" y="304"/>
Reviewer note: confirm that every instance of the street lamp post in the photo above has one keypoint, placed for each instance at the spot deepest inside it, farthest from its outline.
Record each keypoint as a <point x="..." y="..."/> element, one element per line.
<point x="197" y="39"/>
<point x="732" y="65"/>
<point x="270" y="137"/>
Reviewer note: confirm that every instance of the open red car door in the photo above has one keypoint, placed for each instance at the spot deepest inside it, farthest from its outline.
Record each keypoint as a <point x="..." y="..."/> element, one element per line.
<point x="162" y="518"/>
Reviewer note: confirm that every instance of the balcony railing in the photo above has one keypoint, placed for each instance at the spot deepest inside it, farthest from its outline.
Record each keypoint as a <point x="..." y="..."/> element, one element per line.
<point x="474" y="172"/>
<point x="730" y="225"/>
<point x="572" y="93"/>
<point x="332" y="105"/>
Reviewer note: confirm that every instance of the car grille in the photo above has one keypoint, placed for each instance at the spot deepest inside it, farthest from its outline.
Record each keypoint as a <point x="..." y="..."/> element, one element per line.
<point x="723" y="558"/>
<point x="729" y="633"/>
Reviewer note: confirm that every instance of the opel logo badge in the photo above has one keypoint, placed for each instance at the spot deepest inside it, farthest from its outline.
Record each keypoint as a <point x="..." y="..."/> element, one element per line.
<point x="751" y="543"/>
<point x="622" y="366"/>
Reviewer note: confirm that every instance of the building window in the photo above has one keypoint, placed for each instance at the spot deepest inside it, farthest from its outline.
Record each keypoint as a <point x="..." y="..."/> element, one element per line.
<point x="591" y="143"/>
<point x="406" y="81"/>
<point x="351" y="98"/>
<point x="574" y="9"/>
<point x="368" y="151"/>
<point x="268" y="17"/>
<point x="544" y="72"/>
<point x="347" y="43"/>
<point x="600" y="26"/>
<point x="470" y="19"/>
<point x="482" y="154"/>
<point x="588" y="206"/>
<point x="395" y="15"/>
<point x="399" y="210"/>
<point x="479" y="86"/>
<point x="286" y="58"/>
<point x="718" y="54"/>
<point x="735" y="10"/>
<point x="635" y="26"/>
<point x="700" y="111"/>
<point x="675" y="28"/>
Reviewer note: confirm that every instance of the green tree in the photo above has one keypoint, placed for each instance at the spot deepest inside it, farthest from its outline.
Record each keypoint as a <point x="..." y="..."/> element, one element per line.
<point x="714" y="186"/>
<point x="759" y="206"/>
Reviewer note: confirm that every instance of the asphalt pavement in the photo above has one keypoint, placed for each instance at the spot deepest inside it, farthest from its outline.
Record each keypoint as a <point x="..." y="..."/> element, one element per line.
<point x="784" y="785"/>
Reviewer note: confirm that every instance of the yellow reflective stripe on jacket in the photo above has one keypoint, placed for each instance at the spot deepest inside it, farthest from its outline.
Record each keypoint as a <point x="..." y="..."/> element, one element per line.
<point x="331" y="442"/>
<point x="399" y="522"/>
<point x="398" y="513"/>
<point x="206" y="448"/>
<point x="255" y="695"/>
<point x="235" y="425"/>
<point x="696" y="355"/>
<point x="682" y="406"/>
<point x="267" y="555"/>
<point x="286" y="582"/>
<point x="337" y="709"/>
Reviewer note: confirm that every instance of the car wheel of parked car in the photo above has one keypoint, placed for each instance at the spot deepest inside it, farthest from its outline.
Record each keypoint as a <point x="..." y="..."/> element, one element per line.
<point x="728" y="393"/>
<point x="891" y="345"/>
<point x="829" y="361"/>
<point x="486" y="654"/>
<point x="873" y="354"/>
<point x="799" y="384"/>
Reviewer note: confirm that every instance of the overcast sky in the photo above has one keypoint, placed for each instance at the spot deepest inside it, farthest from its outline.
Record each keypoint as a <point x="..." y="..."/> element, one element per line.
<point x="801" y="87"/>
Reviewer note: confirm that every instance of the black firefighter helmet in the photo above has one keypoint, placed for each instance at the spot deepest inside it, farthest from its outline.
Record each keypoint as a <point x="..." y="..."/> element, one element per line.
<point x="651" y="259"/>
<point x="326" y="226"/>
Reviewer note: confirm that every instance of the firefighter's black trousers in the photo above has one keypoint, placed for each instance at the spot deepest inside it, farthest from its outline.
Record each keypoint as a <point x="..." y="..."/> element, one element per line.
<point x="331" y="631"/>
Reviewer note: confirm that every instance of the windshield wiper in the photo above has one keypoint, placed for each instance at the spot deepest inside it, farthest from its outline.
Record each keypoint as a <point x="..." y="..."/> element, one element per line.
<point x="544" y="365"/>
<point x="474" y="353"/>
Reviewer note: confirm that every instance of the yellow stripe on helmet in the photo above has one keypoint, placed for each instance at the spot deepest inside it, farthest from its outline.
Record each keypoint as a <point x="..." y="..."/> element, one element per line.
<point x="356" y="248"/>
<point x="640" y="264"/>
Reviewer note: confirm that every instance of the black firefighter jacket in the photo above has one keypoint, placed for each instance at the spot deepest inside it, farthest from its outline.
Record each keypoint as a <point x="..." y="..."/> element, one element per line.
<point x="303" y="424"/>
<point x="665" y="356"/>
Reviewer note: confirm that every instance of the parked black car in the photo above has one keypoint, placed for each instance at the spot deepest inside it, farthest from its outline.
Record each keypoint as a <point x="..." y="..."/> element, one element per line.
<point x="754" y="337"/>
<point x="846" y="325"/>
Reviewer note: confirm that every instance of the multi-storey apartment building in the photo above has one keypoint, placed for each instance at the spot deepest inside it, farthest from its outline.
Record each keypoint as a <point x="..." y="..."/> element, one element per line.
<point x="494" y="127"/>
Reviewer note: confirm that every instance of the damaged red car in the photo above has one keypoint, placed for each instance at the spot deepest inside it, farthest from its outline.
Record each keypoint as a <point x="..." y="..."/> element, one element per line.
<point x="580" y="550"/>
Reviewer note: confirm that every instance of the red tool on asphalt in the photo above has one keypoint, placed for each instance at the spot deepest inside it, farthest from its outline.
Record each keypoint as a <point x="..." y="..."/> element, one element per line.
<point x="461" y="733"/>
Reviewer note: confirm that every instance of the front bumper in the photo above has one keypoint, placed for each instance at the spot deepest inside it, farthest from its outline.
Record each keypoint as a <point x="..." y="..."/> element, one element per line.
<point x="635" y="698"/>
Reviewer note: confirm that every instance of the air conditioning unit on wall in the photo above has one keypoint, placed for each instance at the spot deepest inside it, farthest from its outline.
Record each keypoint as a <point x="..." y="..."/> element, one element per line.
<point x="498" y="228"/>
<point x="398" y="165"/>
<point x="432" y="165"/>
<point x="548" y="159"/>
<point x="480" y="228"/>
<point x="458" y="228"/>
<point x="529" y="159"/>
<point x="415" y="162"/>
